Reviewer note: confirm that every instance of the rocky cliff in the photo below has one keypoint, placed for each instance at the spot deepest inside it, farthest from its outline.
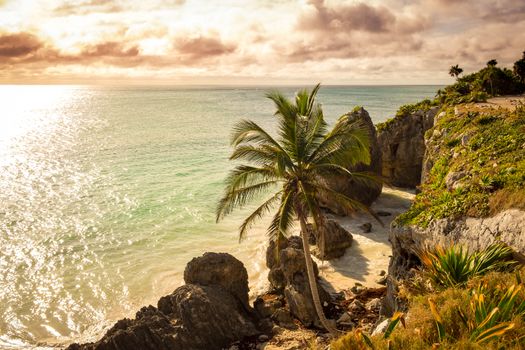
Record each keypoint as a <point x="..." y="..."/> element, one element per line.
<point x="365" y="193"/>
<point x="402" y="144"/>
<point x="473" y="189"/>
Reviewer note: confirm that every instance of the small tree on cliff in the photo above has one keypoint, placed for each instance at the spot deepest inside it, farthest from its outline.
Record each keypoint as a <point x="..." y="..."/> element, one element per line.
<point x="455" y="71"/>
<point x="294" y="165"/>
<point x="519" y="68"/>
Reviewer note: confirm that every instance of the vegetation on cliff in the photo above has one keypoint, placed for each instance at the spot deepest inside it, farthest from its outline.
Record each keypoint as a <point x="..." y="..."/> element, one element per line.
<point x="475" y="87"/>
<point x="478" y="168"/>
<point x="475" y="152"/>
<point x="485" y="311"/>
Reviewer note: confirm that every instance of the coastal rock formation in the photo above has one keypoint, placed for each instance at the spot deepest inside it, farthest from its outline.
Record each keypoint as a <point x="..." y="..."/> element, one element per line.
<point x="366" y="194"/>
<point x="474" y="233"/>
<point x="290" y="266"/>
<point x="207" y="313"/>
<point x="334" y="242"/>
<point x="402" y="144"/>
<point x="219" y="269"/>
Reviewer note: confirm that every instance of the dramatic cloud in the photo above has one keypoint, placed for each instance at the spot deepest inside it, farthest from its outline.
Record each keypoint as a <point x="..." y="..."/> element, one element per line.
<point x="352" y="17"/>
<point x="18" y="44"/>
<point x="334" y="41"/>
<point x="202" y="47"/>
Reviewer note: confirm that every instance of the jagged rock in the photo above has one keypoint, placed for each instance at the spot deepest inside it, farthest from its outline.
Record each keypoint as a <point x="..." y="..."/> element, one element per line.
<point x="277" y="279"/>
<point x="192" y="317"/>
<point x="373" y="304"/>
<point x="265" y="308"/>
<point x="220" y="269"/>
<point x="382" y="273"/>
<point x="297" y="290"/>
<point x="364" y="193"/>
<point x="402" y="146"/>
<point x="336" y="240"/>
<point x="288" y="274"/>
<point x="356" y="306"/>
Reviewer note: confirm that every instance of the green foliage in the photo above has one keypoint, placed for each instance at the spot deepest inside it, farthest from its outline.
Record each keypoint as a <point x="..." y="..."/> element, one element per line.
<point x="486" y="313"/>
<point x="405" y="110"/>
<point x="452" y="266"/>
<point x="519" y="69"/>
<point x="485" y="144"/>
<point x="294" y="164"/>
<point x="455" y="71"/>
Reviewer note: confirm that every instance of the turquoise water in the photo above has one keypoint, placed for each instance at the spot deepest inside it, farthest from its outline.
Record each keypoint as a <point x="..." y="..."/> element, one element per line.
<point x="106" y="193"/>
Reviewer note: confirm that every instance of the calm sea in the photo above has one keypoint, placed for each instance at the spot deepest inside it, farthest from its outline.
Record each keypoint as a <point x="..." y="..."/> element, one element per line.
<point x="106" y="193"/>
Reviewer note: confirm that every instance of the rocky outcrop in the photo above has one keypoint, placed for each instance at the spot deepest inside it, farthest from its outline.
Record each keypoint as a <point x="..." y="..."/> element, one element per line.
<point x="210" y="312"/>
<point x="402" y="144"/>
<point x="288" y="275"/>
<point x="219" y="269"/>
<point x="332" y="240"/>
<point x="364" y="193"/>
<point x="474" y="233"/>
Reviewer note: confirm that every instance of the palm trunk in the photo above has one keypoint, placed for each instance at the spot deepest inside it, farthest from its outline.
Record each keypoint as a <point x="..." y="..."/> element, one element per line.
<point x="312" y="279"/>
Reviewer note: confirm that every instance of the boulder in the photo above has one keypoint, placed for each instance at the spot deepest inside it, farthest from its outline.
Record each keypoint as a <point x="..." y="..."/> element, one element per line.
<point x="334" y="243"/>
<point x="220" y="269"/>
<point x="402" y="145"/>
<point x="364" y="193"/>
<point x="194" y="316"/>
<point x="292" y="280"/>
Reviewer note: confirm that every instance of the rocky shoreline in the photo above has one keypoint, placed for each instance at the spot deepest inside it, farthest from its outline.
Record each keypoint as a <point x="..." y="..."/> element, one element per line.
<point x="212" y="310"/>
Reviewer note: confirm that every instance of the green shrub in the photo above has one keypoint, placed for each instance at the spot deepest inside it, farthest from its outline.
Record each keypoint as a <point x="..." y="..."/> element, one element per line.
<point x="455" y="265"/>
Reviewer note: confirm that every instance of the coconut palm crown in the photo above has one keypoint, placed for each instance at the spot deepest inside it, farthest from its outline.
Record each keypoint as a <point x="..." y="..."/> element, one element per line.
<point x="292" y="167"/>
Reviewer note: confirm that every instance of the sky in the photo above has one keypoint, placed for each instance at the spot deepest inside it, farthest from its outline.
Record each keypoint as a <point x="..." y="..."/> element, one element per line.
<point x="254" y="41"/>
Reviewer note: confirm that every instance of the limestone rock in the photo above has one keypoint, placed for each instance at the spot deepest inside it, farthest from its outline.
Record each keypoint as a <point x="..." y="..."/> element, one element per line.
<point x="192" y="317"/>
<point x="364" y="193"/>
<point x="402" y="146"/>
<point x="220" y="269"/>
<point x="333" y="241"/>
<point x="474" y="233"/>
<point x="293" y="279"/>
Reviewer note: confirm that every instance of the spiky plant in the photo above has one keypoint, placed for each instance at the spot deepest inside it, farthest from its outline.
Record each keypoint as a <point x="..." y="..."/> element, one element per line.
<point x="294" y="165"/>
<point x="455" y="265"/>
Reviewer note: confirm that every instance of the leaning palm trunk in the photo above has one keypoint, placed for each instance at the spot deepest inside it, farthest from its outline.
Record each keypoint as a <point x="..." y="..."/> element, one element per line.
<point x="295" y="165"/>
<point x="312" y="279"/>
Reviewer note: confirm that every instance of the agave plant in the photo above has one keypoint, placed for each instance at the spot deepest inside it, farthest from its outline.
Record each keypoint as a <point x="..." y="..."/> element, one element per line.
<point x="455" y="265"/>
<point x="489" y="315"/>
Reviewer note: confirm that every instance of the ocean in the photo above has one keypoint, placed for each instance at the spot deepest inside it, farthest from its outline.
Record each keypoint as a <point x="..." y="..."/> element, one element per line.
<point x="107" y="192"/>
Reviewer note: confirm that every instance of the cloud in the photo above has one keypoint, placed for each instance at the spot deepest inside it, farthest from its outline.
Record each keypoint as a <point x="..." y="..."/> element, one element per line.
<point x="87" y="6"/>
<point x="350" y="17"/>
<point x="203" y="47"/>
<point x="18" y="45"/>
<point x="111" y="49"/>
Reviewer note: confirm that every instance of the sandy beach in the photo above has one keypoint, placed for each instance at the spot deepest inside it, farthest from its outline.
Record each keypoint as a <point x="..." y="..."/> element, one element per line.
<point x="370" y="252"/>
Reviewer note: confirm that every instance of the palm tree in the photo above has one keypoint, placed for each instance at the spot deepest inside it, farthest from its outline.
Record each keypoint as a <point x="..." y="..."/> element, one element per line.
<point x="492" y="63"/>
<point x="294" y="165"/>
<point x="455" y="71"/>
